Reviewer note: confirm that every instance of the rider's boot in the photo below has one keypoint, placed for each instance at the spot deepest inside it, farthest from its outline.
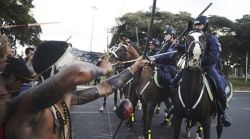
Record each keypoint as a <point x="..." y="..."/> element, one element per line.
<point x="225" y="119"/>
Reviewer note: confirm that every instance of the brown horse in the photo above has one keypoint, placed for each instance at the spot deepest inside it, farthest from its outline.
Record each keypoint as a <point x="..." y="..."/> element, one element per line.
<point x="146" y="89"/>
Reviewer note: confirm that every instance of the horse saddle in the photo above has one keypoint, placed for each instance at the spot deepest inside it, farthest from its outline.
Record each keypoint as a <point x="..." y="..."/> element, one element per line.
<point x="163" y="76"/>
<point x="157" y="78"/>
<point x="211" y="87"/>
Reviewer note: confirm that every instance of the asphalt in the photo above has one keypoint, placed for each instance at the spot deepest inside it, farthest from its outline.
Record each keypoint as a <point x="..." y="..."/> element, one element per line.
<point x="89" y="123"/>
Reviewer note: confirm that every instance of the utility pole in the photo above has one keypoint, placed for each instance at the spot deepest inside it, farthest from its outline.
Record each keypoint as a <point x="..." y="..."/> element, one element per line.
<point x="108" y="43"/>
<point x="92" y="28"/>
<point x="246" y="66"/>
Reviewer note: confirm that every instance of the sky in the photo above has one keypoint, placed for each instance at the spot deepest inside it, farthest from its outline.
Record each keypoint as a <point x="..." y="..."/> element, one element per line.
<point x="88" y="21"/>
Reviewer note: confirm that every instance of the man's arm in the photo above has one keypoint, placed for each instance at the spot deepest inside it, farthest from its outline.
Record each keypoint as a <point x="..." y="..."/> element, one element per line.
<point x="53" y="89"/>
<point x="106" y="87"/>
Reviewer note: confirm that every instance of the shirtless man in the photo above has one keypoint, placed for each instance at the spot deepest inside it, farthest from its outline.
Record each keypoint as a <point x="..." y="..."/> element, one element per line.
<point x="43" y="111"/>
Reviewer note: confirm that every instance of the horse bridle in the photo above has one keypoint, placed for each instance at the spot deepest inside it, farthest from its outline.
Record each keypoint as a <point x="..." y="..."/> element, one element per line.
<point x="113" y="52"/>
<point x="188" y="57"/>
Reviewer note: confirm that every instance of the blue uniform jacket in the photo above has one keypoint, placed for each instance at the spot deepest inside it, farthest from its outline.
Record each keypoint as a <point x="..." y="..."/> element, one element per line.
<point x="212" y="52"/>
<point x="169" y="58"/>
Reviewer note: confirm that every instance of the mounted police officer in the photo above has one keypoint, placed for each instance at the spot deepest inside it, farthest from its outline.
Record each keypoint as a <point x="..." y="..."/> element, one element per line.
<point x="154" y="45"/>
<point x="209" y="61"/>
<point x="166" y="62"/>
<point x="167" y="65"/>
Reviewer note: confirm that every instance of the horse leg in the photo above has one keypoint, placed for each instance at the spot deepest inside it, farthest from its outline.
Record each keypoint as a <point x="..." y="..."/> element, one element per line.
<point x="177" y="126"/>
<point x="103" y="105"/>
<point x="219" y="127"/>
<point x="206" y="128"/>
<point x="115" y="99"/>
<point x="168" y="119"/>
<point x="199" y="131"/>
<point x="188" y="128"/>
<point x="121" y="93"/>
<point x="158" y="107"/>
<point x="148" y="119"/>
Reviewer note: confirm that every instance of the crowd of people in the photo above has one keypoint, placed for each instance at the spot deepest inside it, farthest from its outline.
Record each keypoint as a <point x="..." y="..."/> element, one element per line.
<point x="43" y="110"/>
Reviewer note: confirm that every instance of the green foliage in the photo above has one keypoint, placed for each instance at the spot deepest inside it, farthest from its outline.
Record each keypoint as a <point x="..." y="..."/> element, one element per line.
<point x="15" y="12"/>
<point x="234" y="36"/>
<point x="128" y="23"/>
<point x="240" y="83"/>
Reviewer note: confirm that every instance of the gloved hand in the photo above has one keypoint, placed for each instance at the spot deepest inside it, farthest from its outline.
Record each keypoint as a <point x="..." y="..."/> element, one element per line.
<point x="190" y="24"/>
<point x="151" y="58"/>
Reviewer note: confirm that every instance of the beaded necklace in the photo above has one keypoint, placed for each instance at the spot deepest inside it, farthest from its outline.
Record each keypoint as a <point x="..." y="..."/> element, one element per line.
<point x="64" y="120"/>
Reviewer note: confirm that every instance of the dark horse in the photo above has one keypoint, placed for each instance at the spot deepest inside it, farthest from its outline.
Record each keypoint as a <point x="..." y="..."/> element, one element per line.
<point x="146" y="89"/>
<point x="192" y="99"/>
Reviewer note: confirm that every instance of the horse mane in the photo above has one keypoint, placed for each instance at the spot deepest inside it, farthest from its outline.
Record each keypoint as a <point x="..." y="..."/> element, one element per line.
<point x="137" y="49"/>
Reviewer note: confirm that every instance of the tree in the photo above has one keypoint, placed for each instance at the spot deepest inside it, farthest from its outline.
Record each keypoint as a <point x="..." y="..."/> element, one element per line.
<point x="14" y="12"/>
<point x="128" y="22"/>
<point x="242" y="30"/>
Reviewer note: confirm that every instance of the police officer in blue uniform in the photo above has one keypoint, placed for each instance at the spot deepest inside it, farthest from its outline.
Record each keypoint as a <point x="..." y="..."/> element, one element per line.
<point x="167" y="65"/>
<point x="166" y="62"/>
<point x="209" y="61"/>
<point x="154" y="45"/>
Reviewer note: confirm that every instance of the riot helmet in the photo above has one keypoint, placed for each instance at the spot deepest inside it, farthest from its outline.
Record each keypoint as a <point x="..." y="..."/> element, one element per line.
<point x="156" y="42"/>
<point x="201" y="20"/>
<point x="171" y="31"/>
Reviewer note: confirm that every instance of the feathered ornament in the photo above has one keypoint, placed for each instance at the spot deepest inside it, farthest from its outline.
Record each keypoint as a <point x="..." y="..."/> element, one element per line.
<point x="4" y="46"/>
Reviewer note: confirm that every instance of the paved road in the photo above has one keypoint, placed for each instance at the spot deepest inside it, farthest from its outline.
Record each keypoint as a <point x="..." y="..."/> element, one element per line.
<point x="89" y="123"/>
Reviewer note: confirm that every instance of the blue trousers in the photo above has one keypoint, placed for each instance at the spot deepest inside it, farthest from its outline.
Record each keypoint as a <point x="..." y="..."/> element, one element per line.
<point x="219" y="80"/>
<point x="166" y="75"/>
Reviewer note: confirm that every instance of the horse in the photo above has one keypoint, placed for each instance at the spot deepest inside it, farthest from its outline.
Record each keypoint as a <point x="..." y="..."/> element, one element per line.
<point x="113" y="58"/>
<point x="192" y="99"/>
<point x="146" y="89"/>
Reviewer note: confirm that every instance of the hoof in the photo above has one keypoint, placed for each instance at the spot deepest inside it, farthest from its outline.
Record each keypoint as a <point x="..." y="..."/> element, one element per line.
<point x="167" y="123"/>
<point x="188" y="134"/>
<point x="114" y="108"/>
<point x="197" y="136"/>
<point x="141" y="137"/>
<point x="157" y="111"/>
<point x="139" y="106"/>
<point x="129" y="124"/>
<point x="101" y="109"/>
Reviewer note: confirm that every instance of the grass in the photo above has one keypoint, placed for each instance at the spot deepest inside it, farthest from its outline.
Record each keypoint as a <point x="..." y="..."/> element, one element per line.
<point x="240" y="84"/>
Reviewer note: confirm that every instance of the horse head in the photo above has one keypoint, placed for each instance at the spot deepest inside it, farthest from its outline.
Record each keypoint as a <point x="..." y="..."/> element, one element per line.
<point x="196" y="42"/>
<point x="122" y="52"/>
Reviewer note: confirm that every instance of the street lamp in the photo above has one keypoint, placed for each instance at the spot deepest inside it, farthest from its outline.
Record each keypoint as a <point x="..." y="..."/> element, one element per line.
<point x="92" y="28"/>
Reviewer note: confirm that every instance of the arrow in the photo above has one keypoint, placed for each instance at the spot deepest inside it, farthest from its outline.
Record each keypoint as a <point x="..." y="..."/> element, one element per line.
<point x="27" y="25"/>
